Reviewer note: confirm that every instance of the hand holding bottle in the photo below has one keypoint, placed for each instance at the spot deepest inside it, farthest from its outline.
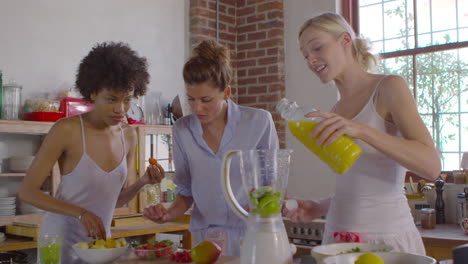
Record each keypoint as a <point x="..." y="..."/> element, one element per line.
<point x="304" y="211"/>
<point x="340" y="153"/>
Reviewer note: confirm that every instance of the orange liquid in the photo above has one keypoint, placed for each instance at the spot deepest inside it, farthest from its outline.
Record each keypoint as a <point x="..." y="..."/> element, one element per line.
<point x="340" y="155"/>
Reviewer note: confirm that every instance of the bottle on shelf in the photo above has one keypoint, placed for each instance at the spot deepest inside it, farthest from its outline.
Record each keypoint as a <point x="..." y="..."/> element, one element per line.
<point x="340" y="155"/>
<point x="439" y="203"/>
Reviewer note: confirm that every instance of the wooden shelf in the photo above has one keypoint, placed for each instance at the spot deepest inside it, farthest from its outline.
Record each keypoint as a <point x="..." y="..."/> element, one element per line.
<point x="11" y="244"/>
<point x="25" y="127"/>
<point x="12" y="174"/>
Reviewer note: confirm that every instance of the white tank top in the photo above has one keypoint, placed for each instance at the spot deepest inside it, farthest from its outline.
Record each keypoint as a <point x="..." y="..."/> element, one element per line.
<point x="90" y="187"/>
<point x="370" y="198"/>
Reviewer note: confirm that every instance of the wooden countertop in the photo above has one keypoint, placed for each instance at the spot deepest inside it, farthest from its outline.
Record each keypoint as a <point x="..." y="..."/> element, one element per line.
<point x="17" y="243"/>
<point x="221" y="260"/>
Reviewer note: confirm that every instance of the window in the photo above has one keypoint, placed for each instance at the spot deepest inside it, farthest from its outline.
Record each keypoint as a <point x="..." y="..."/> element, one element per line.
<point x="426" y="42"/>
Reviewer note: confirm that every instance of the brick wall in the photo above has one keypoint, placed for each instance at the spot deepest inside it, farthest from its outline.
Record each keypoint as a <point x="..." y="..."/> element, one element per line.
<point x="254" y="31"/>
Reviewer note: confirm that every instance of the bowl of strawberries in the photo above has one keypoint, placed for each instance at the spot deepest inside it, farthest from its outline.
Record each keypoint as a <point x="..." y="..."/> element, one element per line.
<point x="154" y="249"/>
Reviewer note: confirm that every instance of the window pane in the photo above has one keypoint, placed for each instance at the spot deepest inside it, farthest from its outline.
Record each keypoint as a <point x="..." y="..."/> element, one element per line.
<point x="398" y="16"/>
<point x="450" y="161"/>
<point x="399" y="66"/>
<point x="369" y="2"/>
<point x="444" y="37"/>
<point x="438" y="81"/>
<point x="464" y="80"/>
<point x="424" y="40"/>
<point x="464" y="132"/>
<point x="376" y="47"/>
<point x="424" y="16"/>
<point x="448" y="125"/>
<point x="463" y="34"/>
<point x="370" y="22"/>
<point x="463" y="13"/>
<point x="443" y="14"/>
<point x="428" y="121"/>
<point x="438" y="18"/>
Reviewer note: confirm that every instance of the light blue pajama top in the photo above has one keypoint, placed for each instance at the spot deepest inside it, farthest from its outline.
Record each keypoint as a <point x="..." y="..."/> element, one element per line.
<point x="198" y="169"/>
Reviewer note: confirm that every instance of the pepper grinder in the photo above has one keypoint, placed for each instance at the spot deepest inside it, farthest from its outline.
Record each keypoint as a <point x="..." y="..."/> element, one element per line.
<point x="439" y="203"/>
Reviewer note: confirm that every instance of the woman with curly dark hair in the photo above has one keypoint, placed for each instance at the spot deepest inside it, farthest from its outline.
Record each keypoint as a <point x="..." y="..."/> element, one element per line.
<point x="95" y="151"/>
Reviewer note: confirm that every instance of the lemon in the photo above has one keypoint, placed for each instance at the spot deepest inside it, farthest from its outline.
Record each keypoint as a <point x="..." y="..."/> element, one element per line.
<point x="83" y="245"/>
<point x="110" y="243"/>
<point x="369" y="258"/>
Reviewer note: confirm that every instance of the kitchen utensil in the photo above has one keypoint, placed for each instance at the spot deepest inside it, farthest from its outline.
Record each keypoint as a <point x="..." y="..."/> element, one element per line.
<point x="387" y="257"/>
<point x="413" y="188"/>
<point x="264" y="179"/>
<point x="322" y="252"/>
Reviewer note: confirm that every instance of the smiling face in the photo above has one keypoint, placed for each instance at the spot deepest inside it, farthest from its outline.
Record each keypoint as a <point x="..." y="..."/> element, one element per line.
<point x="324" y="53"/>
<point x="207" y="102"/>
<point x="111" y="106"/>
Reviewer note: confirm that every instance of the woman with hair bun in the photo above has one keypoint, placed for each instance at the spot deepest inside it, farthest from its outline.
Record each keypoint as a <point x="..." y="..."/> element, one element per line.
<point x="380" y="114"/>
<point x="215" y="126"/>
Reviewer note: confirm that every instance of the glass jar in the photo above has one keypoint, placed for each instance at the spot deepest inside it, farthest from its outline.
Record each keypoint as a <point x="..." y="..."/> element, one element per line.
<point x="428" y="218"/>
<point x="417" y="212"/>
<point x="11" y="101"/>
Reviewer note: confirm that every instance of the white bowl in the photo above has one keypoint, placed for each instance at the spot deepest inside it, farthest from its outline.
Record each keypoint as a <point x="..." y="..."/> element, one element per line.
<point x="20" y="163"/>
<point x="99" y="256"/>
<point x="323" y="251"/>
<point x="387" y="257"/>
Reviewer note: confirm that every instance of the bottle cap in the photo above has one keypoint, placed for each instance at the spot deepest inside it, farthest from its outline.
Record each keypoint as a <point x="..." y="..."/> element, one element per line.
<point x="291" y="204"/>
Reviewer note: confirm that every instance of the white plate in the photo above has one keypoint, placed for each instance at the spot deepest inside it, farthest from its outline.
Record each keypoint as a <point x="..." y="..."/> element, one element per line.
<point x="7" y="206"/>
<point x="7" y="214"/>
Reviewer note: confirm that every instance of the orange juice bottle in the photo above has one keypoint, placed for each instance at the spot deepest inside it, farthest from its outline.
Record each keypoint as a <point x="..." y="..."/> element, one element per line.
<point x="340" y="155"/>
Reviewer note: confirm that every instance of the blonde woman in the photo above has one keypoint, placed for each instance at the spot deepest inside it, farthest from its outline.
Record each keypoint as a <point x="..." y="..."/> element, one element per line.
<point x="380" y="114"/>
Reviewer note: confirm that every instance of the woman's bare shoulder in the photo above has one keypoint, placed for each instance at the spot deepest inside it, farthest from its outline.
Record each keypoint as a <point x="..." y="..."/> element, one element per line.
<point x="129" y="132"/>
<point x="69" y="125"/>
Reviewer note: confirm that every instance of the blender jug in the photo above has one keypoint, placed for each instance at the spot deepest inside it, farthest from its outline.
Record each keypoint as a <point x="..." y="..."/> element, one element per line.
<point x="264" y="179"/>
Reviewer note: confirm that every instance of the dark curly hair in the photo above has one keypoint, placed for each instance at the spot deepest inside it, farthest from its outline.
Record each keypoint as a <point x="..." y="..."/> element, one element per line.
<point x="210" y="61"/>
<point x="113" y="66"/>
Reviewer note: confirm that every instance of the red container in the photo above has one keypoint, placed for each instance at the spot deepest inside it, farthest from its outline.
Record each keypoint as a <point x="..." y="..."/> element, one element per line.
<point x="74" y="106"/>
<point x="42" y="116"/>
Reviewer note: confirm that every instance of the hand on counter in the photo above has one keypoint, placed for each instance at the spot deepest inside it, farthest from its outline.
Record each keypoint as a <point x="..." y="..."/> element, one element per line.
<point x="157" y="213"/>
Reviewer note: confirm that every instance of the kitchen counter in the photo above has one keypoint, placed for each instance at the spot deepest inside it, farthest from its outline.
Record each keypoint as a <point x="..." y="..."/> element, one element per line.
<point x="17" y="243"/>
<point x="221" y="260"/>
<point x="440" y="241"/>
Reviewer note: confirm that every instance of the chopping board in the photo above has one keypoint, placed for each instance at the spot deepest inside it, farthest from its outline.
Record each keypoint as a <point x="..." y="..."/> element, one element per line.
<point x="221" y="260"/>
<point x="25" y="226"/>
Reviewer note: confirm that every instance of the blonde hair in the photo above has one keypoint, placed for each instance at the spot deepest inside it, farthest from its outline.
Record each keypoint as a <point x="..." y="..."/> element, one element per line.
<point x="336" y="25"/>
<point x="210" y="61"/>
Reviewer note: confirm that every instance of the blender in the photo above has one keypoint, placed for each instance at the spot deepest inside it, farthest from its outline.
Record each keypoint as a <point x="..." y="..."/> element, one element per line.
<point x="264" y="179"/>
